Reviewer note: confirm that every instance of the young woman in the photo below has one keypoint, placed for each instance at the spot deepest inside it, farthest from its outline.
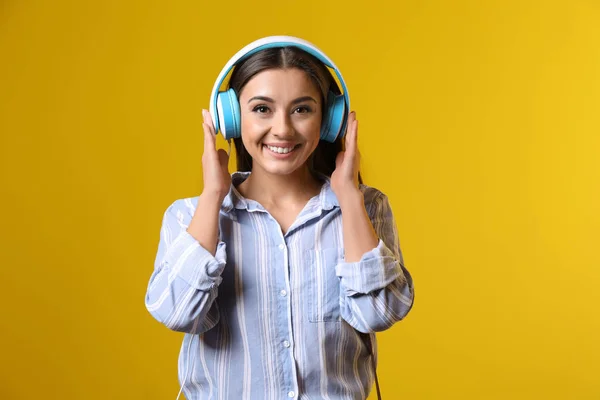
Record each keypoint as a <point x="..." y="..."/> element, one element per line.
<point x="280" y="273"/>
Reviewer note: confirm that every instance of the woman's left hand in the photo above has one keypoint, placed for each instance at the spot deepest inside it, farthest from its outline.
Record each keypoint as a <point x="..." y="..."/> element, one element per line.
<point x="344" y="180"/>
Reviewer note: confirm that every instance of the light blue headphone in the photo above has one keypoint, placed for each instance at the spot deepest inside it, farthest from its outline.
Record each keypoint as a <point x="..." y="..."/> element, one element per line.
<point x="225" y="107"/>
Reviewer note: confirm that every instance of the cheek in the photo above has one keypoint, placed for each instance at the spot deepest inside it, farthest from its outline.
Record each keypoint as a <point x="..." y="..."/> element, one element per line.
<point x="251" y="128"/>
<point x="246" y="121"/>
<point x="310" y="128"/>
<point x="313" y="128"/>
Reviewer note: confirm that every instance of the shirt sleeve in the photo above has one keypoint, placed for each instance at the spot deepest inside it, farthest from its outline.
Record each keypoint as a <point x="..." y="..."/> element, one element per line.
<point x="377" y="291"/>
<point x="183" y="287"/>
<point x="375" y="270"/>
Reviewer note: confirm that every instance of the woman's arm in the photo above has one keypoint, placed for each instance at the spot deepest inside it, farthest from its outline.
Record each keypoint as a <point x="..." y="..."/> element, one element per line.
<point x="376" y="289"/>
<point x="205" y="222"/>
<point x="190" y="259"/>
<point x="359" y="235"/>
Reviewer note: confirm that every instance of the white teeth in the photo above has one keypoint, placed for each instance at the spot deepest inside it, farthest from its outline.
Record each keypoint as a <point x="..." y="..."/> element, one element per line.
<point x="280" y="150"/>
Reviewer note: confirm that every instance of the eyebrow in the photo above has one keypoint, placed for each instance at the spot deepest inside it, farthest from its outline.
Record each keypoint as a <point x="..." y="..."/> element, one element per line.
<point x="270" y="100"/>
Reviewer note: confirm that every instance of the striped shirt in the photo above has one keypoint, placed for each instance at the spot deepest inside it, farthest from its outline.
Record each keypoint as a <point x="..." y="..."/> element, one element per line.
<point x="273" y="315"/>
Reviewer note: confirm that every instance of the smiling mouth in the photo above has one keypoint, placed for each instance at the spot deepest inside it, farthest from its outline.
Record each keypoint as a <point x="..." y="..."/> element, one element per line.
<point x="281" y="150"/>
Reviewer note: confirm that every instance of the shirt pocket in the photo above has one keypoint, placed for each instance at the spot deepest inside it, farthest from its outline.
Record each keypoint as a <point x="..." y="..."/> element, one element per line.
<point x="324" y="284"/>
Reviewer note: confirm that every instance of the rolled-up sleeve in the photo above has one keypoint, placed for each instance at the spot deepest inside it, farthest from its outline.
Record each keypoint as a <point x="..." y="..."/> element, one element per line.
<point x="375" y="270"/>
<point x="194" y="264"/>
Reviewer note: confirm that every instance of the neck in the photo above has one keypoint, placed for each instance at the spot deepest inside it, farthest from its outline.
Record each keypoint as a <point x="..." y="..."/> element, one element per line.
<point x="276" y="190"/>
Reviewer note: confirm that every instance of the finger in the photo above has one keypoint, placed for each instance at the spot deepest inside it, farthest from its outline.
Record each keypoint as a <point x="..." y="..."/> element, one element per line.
<point x="356" y="151"/>
<point x="351" y="118"/>
<point x="351" y="139"/>
<point x="209" y="137"/>
<point x="209" y="121"/>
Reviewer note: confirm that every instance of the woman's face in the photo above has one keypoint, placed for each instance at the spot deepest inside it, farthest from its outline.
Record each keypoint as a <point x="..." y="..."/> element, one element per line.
<point x="281" y="119"/>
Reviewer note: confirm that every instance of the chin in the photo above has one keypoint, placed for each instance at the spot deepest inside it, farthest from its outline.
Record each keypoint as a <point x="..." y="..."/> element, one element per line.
<point x="280" y="169"/>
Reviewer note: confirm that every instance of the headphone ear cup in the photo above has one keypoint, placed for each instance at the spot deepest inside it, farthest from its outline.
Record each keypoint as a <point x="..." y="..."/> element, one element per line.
<point x="228" y="109"/>
<point x="334" y="118"/>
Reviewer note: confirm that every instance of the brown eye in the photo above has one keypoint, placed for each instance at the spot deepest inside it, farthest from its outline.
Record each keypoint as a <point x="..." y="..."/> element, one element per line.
<point x="302" y="110"/>
<point x="261" y="109"/>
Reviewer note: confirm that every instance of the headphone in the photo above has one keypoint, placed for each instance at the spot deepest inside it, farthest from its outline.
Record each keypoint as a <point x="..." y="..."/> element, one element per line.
<point x="225" y="107"/>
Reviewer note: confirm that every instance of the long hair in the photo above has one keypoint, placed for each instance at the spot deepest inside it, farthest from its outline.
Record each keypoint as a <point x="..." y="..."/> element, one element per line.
<point x="322" y="160"/>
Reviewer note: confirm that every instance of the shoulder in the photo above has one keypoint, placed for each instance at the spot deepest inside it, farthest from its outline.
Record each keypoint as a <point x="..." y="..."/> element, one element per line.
<point x="371" y="194"/>
<point x="182" y="209"/>
<point x="376" y="202"/>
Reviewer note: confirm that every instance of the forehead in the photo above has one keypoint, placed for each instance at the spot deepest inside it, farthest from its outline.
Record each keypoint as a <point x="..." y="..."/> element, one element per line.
<point x="290" y="82"/>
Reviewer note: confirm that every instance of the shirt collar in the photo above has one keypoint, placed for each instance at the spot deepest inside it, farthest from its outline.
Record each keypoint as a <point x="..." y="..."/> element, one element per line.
<point x="327" y="198"/>
<point x="234" y="199"/>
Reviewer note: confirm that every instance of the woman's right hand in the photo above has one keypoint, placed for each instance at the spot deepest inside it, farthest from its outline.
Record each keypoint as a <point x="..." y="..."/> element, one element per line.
<point x="217" y="179"/>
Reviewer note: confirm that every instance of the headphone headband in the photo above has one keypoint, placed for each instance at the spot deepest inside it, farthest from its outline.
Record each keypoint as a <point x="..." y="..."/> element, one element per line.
<point x="273" y="42"/>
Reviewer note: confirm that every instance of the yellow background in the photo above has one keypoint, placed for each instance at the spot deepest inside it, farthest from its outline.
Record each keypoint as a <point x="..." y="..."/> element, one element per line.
<point x="480" y="120"/>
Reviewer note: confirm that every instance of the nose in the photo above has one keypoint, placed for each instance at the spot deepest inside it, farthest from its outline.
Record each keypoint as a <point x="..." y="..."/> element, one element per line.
<point x="282" y="124"/>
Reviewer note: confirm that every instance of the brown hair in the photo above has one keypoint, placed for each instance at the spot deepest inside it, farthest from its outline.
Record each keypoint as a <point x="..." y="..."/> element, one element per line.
<point x="323" y="158"/>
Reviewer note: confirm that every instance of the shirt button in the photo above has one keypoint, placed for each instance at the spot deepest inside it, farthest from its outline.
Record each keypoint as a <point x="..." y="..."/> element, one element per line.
<point x="283" y="293"/>
<point x="286" y="343"/>
<point x="281" y="246"/>
<point x="291" y="394"/>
